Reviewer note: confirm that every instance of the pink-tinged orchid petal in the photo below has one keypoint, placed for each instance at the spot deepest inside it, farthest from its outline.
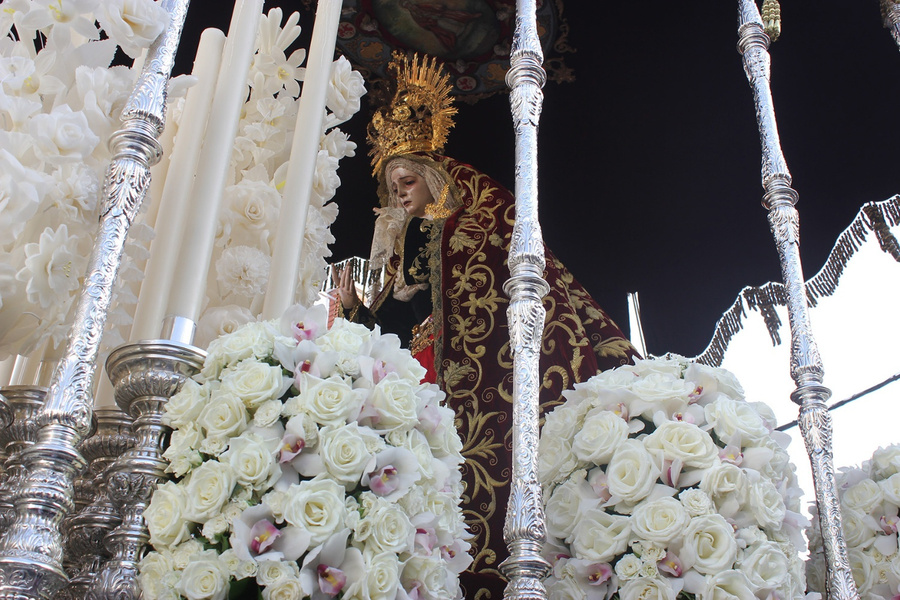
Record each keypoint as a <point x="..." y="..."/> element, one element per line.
<point x="413" y="592"/>
<point x="331" y="580"/>
<point x="695" y="395"/>
<point x="304" y="331"/>
<point x="889" y="524"/>
<point x="732" y="454"/>
<point x="384" y="481"/>
<point x="671" y="565"/>
<point x="672" y="471"/>
<point x="599" y="573"/>
<point x="262" y="535"/>
<point x="426" y="540"/>
<point x="291" y="446"/>
<point x="599" y="483"/>
<point x="621" y="410"/>
<point x="379" y="370"/>
<point x="429" y="418"/>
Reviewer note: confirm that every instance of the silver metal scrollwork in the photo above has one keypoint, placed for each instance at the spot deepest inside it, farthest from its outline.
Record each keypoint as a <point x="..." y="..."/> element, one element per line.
<point x="145" y="375"/>
<point x="524" y="530"/>
<point x="806" y="365"/>
<point x="31" y="549"/>
<point x="890" y="10"/>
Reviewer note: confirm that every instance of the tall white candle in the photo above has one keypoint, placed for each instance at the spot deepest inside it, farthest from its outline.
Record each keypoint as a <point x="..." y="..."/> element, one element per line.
<point x="302" y="167"/>
<point x="176" y="194"/>
<point x="197" y="243"/>
<point x="6" y="370"/>
<point x="105" y="396"/>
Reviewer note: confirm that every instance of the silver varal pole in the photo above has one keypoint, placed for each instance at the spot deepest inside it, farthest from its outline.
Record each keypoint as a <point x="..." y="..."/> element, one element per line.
<point x="31" y="551"/>
<point x="525" y="530"/>
<point x="890" y="10"/>
<point x="806" y="365"/>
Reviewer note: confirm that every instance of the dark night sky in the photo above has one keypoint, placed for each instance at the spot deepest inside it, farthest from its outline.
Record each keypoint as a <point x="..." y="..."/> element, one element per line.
<point x="649" y="161"/>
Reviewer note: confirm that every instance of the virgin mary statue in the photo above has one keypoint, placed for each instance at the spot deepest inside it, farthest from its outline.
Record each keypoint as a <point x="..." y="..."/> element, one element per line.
<point x="443" y="235"/>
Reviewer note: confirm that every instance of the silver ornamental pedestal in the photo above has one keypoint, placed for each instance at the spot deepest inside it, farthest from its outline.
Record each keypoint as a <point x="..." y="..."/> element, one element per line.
<point x="145" y="375"/>
<point x="26" y="402"/>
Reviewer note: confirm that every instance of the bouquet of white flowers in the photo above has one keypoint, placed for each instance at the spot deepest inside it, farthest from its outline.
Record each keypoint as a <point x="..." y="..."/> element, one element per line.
<point x="870" y="502"/>
<point x="308" y="462"/>
<point x="661" y="481"/>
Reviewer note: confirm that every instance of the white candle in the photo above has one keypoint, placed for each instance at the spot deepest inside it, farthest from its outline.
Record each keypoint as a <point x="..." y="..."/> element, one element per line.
<point x="302" y="167"/>
<point x="105" y="396"/>
<point x="174" y="203"/>
<point x="197" y="243"/>
<point x="6" y="370"/>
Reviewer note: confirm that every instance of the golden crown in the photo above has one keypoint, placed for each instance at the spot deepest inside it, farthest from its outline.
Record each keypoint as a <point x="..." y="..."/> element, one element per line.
<point x="419" y="116"/>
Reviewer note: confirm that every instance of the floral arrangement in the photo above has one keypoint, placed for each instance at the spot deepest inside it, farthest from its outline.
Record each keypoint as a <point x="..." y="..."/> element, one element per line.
<point x="308" y="463"/>
<point x="60" y="102"/>
<point x="870" y="502"/>
<point x="248" y="220"/>
<point x="660" y="481"/>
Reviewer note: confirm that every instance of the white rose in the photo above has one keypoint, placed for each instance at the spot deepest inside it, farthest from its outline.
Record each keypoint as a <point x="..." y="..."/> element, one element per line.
<point x="344" y="90"/>
<point x="659" y="392"/>
<point x="165" y="516"/>
<point x="890" y="489"/>
<point x="267" y="413"/>
<point x="385" y="528"/>
<point x="709" y="544"/>
<point x="317" y="506"/>
<point x="345" y="452"/>
<point x="253" y="339"/>
<point x="600" y="536"/>
<point x="62" y="136"/>
<point x="132" y="24"/>
<point x="555" y="458"/>
<point x="444" y="438"/>
<point x="223" y="416"/>
<point x="766" y="504"/>
<point x="567" y="504"/>
<point x="863" y="567"/>
<point x="864" y="497"/>
<point x="647" y="588"/>
<point x="885" y="462"/>
<point x="270" y="572"/>
<point x="632" y="474"/>
<point x="185" y="406"/>
<point x="629" y="567"/>
<point x="431" y="572"/>
<point x="338" y="144"/>
<point x="382" y="576"/>
<point x="726" y="484"/>
<point x="683" y="441"/>
<point x="204" y="578"/>
<point x="736" y="421"/>
<point x="395" y="402"/>
<point x="208" y="489"/>
<point x="252" y="461"/>
<point x="696" y="502"/>
<point x="182" y="452"/>
<point x="659" y="521"/>
<point x="344" y="336"/>
<point x="728" y="585"/>
<point x="288" y="588"/>
<point x="220" y="320"/>
<point x="239" y="569"/>
<point x="330" y="401"/>
<point x="254" y="382"/>
<point x="214" y="446"/>
<point x="433" y="470"/>
<point x="564" y="588"/>
<point x="765" y="566"/>
<point x="859" y="528"/>
<point x="155" y="568"/>
<point x="603" y="431"/>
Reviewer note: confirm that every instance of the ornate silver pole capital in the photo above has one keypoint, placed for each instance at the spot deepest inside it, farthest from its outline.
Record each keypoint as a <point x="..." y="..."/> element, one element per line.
<point x="806" y="365"/>
<point x="524" y="530"/>
<point x="145" y="375"/>
<point x="31" y="550"/>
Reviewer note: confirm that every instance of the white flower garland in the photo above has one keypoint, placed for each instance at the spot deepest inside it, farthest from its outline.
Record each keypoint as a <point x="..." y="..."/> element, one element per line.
<point x="870" y="503"/>
<point x="660" y="480"/>
<point x="308" y="462"/>
<point x="58" y="107"/>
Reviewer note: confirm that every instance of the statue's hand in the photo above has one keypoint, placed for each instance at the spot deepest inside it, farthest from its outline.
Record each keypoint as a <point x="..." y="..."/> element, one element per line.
<point x="346" y="288"/>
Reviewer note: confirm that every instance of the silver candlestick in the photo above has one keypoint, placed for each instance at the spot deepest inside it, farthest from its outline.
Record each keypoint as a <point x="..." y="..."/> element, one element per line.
<point x="31" y="549"/>
<point x="26" y="402"/>
<point x="85" y="531"/>
<point x="806" y="365"/>
<point x="524" y="529"/>
<point x="6" y="418"/>
<point x="890" y="12"/>
<point x="145" y="375"/>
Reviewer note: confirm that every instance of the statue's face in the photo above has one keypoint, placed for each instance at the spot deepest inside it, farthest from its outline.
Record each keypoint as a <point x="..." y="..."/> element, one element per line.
<point x="411" y="190"/>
